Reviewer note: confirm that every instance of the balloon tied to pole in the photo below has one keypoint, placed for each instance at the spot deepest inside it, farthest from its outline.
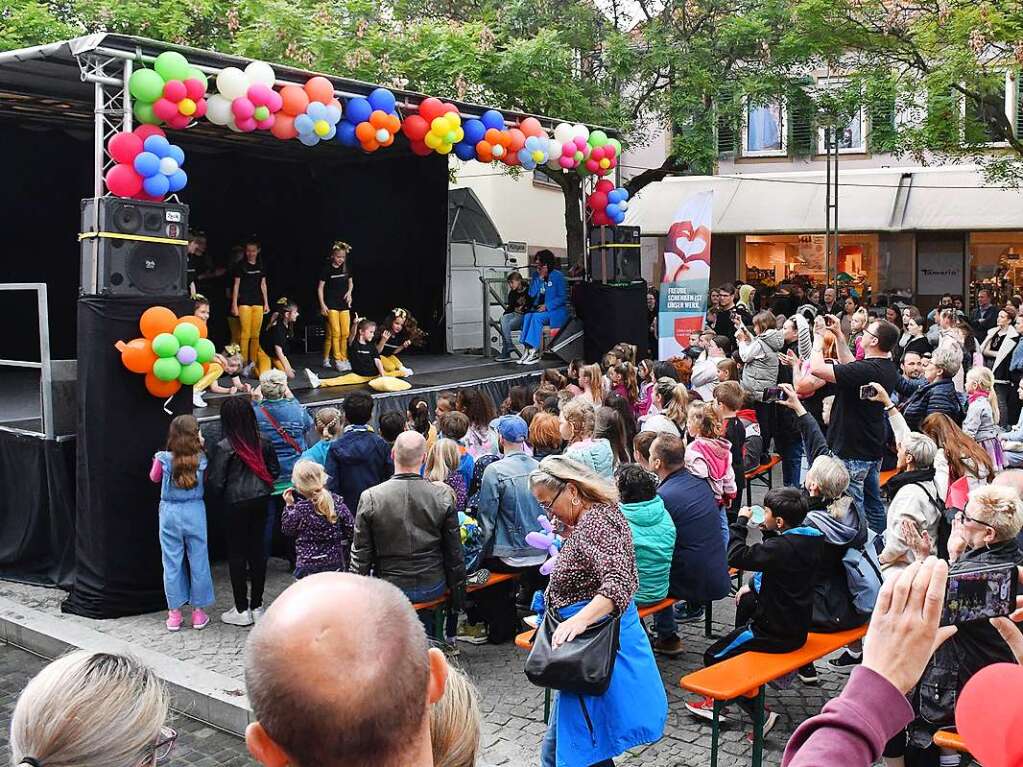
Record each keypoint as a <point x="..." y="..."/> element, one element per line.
<point x="172" y="352"/>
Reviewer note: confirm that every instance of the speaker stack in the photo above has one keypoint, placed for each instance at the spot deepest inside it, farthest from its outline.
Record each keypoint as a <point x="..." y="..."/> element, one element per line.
<point x="614" y="254"/>
<point x="133" y="247"/>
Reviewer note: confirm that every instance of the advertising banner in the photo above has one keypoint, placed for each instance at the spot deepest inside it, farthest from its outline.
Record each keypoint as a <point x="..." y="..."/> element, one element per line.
<point x="682" y="304"/>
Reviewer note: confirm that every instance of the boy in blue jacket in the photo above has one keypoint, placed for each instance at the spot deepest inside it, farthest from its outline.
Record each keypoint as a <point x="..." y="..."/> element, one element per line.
<point x="360" y="458"/>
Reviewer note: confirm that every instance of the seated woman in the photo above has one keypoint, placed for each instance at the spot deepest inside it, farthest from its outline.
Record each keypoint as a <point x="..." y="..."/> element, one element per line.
<point x="549" y="294"/>
<point x="275" y="337"/>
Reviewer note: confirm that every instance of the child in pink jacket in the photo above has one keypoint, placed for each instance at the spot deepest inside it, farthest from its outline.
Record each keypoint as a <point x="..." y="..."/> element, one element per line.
<point x="709" y="455"/>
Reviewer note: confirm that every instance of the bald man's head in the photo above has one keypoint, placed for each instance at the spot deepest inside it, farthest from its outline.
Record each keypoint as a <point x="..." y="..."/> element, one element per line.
<point x="409" y="452"/>
<point x="1010" y="478"/>
<point x="339" y="675"/>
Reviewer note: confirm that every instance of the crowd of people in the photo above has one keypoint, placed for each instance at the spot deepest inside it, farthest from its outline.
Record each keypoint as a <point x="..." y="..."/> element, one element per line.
<point x="639" y="466"/>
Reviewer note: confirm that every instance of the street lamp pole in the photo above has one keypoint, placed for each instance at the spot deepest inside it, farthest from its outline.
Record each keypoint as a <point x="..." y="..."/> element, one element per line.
<point x="831" y="208"/>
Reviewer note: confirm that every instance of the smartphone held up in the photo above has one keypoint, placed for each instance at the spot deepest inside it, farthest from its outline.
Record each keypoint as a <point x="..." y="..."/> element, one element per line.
<point x="980" y="593"/>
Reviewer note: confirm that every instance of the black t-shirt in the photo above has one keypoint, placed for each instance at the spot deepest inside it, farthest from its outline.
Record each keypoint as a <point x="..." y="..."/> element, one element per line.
<point x="195" y="264"/>
<point x="723" y="325"/>
<point x="857" y="430"/>
<point x="393" y="344"/>
<point x="249" y="293"/>
<point x="274" y="335"/>
<point x="363" y="356"/>
<point x="518" y="300"/>
<point x="335" y="285"/>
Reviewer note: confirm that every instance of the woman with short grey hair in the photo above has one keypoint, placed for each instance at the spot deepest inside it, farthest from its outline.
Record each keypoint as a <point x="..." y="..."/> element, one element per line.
<point x="937" y="392"/>
<point x="913" y="502"/>
<point x="92" y="709"/>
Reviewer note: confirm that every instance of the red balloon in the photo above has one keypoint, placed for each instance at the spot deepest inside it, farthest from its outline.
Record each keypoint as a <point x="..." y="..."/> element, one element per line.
<point x="415" y="127"/>
<point x="990" y="724"/>
<point x="200" y="109"/>
<point x="531" y="127"/>
<point x="446" y="108"/>
<point x="598" y="201"/>
<point x="174" y="90"/>
<point x="123" y="181"/>
<point x="419" y="148"/>
<point x="124" y="146"/>
<point x="194" y="89"/>
<point x="518" y="139"/>
<point x="605" y="186"/>
<point x="597" y="153"/>
<point x="178" y="121"/>
<point x="283" y="127"/>
<point x="600" y="218"/>
<point x="146" y="130"/>
<point x="431" y="108"/>
<point x="592" y="165"/>
<point x="164" y="108"/>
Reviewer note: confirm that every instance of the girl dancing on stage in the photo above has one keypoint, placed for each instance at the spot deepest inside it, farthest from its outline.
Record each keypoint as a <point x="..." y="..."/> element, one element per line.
<point x="398" y="332"/>
<point x="273" y="341"/>
<point x="335" y="293"/>
<point x="367" y="364"/>
<point x="249" y="301"/>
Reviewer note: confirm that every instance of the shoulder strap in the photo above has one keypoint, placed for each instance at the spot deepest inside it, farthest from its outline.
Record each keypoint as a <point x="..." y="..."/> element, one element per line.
<point x="280" y="430"/>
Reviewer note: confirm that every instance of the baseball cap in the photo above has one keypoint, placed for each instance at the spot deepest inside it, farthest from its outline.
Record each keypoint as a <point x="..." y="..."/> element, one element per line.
<point x="511" y="428"/>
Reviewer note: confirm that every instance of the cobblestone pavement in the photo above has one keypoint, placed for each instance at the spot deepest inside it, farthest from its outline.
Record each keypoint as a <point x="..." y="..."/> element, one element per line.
<point x="197" y="744"/>
<point x="512" y="707"/>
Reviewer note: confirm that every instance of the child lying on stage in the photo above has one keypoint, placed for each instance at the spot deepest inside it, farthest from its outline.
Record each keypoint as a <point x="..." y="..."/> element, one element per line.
<point x="367" y="366"/>
<point x="227" y="362"/>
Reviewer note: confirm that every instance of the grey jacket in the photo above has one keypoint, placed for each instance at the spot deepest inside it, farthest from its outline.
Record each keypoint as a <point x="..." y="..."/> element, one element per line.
<point x="507" y="510"/>
<point x="406" y="532"/>
<point x="760" y="361"/>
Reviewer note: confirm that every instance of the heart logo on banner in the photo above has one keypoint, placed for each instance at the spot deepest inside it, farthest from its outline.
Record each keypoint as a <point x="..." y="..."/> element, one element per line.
<point x="989" y="715"/>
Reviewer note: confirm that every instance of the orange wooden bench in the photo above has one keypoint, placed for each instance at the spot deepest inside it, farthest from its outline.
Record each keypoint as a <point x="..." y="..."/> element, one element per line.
<point x="747" y="675"/>
<point x="886" y="475"/>
<point x="762" y="474"/>
<point x="436" y="604"/>
<point x="950" y="740"/>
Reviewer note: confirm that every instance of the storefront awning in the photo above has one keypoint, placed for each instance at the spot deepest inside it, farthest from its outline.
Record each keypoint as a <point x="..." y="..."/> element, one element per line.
<point x="886" y="200"/>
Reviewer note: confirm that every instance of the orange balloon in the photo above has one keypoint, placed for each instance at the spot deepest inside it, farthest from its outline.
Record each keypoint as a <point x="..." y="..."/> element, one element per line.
<point x="484" y="151"/>
<point x="505" y="139"/>
<point x="295" y="101"/>
<point x="531" y="127"/>
<point x="320" y="89"/>
<point x="518" y="139"/>
<point x="193" y="320"/>
<point x="378" y="118"/>
<point x="365" y="132"/>
<point x="336" y="103"/>
<point x="284" y="125"/>
<point x="161" y="389"/>
<point x="393" y="123"/>
<point x="138" y="356"/>
<point x="492" y="136"/>
<point x="370" y="146"/>
<point x="156" y="320"/>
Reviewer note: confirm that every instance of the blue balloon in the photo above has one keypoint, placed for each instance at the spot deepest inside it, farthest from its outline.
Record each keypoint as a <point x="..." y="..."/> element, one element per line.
<point x="316" y="110"/>
<point x="611" y="209"/>
<point x="309" y="139"/>
<point x="615" y="196"/>
<point x="177" y="180"/>
<point x="330" y="134"/>
<point x="158" y="145"/>
<point x="156" y="186"/>
<point x="177" y="153"/>
<point x="358" y="110"/>
<point x="465" y="151"/>
<point x="492" y="119"/>
<point x="382" y="99"/>
<point x="474" y="131"/>
<point x="346" y="134"/>
<point x="333" y="114"/>
<point x="147" y="164"/>
<point x="624" y="191"/>
<point x="618" y="217"/>
<point x="304" y="124"/>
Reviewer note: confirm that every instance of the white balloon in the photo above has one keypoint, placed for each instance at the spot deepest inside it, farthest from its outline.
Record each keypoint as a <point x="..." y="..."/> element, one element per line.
<point x="577" y="130"/>
<point x="234" y="127"/>
<point x="623" y="205"/>
<point x="554" y="149"/>
<point x="563" y="133"/>
<point x="168" y="166"/>
<point x="553" y="164"/>
<point x="218" y="110"/>
<point x="382" y="135"/>
<point x="232" y="83"/>
<point x="259" y="72"/>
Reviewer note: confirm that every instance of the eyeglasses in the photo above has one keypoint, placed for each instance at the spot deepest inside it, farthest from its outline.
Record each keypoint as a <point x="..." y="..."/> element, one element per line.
<point x="161" y="750"/>
<point x="961" y="516"/>
<point x="869" y="332"/>
<point x="550" y="504"/>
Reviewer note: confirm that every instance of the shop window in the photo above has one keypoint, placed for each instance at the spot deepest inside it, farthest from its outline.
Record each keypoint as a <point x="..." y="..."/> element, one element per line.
<point x="772" y="259"/>
<point x="996" y="263"/>
<point x="763" y="134"/>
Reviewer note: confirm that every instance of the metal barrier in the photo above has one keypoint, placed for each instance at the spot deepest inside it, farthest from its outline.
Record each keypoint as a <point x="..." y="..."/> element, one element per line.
<point x="491" y="298"/>
<point x="44" y="364"/>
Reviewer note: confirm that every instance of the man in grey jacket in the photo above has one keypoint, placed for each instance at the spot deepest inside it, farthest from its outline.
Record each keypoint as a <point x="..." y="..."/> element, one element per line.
<point x="406" y="530"/>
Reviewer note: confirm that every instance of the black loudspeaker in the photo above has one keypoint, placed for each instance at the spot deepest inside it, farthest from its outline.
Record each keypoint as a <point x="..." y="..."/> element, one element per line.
<point x="613" y="314"/>
<point x="568" y="343"/>
<point x="614" y="254"/>
<point x="133" y="247"/>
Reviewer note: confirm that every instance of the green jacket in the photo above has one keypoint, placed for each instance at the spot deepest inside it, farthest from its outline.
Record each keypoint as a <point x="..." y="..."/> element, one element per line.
<point x="653" y="536"/>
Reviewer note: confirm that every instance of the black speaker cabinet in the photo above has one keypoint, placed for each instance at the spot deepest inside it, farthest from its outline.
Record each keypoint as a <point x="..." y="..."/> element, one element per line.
<point x="133" y="247"/>
<point x="614" y="254"/>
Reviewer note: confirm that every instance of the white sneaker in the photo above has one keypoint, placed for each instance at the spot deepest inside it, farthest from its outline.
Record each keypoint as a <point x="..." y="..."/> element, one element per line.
<point x="249" y="371"/>
<point x="532" y="359"/>
<point x="234" y="618"/>
<point x="257" y="613"/>
<point x="342" y="366"/>
<point x="524" y="359"/>
<point x="314" y="380"/>
<point x="326" y="363"/>
<point x="197" y="400"/>
<point x="406" y="372"/>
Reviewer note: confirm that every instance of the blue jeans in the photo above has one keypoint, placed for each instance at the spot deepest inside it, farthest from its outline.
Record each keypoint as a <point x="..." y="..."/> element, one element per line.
<point x="664" y="624"/>
<point x="549" y="746"/>
<point x="425" y="594"/>
<point x="183" y="536"/>
<point x="865" y="489"/>
<point x="509" y="322"/>
<point x="792" y="464"/>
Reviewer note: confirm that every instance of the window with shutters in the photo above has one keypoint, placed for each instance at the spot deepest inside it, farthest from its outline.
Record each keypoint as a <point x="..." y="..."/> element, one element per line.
<point x="727" y="135"/>
<point x="764" y="130"/>
<point x="851" y="133"/>
<point x="981" y="120"/>
<point x="882" y="135"/>
<point x="802" y="138"/>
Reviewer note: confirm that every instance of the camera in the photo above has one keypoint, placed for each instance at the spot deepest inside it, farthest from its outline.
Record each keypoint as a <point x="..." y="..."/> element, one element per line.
<point x="980" y="593"/>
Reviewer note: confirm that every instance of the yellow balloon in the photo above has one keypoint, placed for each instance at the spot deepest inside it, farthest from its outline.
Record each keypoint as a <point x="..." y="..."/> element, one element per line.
<point x="444" y="149"/>
<point x="453" y="120"/>
<point x="459" y="134"/>
<point x="187" y="107"/>
<point x="605" y="163"/>
<point x="439" y="125"/>
<point x="432" y="140"/>
<point x="537" y="156"/>
<point x="321" y="127"/>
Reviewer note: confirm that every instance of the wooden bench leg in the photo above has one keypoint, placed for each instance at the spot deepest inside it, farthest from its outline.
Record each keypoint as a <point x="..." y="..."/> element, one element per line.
<point x="758" y="728"/>
<point x="708" y="617"/>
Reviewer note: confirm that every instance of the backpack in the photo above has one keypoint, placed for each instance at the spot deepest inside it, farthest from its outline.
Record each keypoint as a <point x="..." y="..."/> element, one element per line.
<point x="863" y="572"/>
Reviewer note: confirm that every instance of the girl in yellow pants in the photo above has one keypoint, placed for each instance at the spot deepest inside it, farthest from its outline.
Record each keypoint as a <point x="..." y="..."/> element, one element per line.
<point x="230" y="362"/>
<point x="334" y="290"/>
<point x="397" y="333"/>
<point x="249" y="301"/>
<point x="366" y="365"/>
<point x="273" y="342"/>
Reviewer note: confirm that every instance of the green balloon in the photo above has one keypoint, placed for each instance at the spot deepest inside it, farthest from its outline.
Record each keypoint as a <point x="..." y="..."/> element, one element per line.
<point x="196" y="74"/>
<point x="186" y="333"/>
<point x="261" y="113"/>
<point x="598" y="138"/>
<point x="205" y="350"/>
<point x="190" y="374"/>
<point x="144" y="113"/>
<point x="146" y="85"/>
<point x="166" y="345"/>
<point x="168" y="368"/>
<point x="617" y="145"/>
<point x="172" y="66"/>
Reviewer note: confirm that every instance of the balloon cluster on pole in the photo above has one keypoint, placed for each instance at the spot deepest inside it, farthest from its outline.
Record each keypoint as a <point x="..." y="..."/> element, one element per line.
<point x="148" y="165"/>
<point x="607" y="205"/>
<point x="245" y="100"/>
<point x="172" y="92"/>
<point x="603" y="154"/>
<point x="172" y="351"/>
<point x="370" y="122"/>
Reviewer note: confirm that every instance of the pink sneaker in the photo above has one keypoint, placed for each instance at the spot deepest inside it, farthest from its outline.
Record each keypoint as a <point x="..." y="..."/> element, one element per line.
<point x="173" y="620"/>
<point x="199" y="619"/>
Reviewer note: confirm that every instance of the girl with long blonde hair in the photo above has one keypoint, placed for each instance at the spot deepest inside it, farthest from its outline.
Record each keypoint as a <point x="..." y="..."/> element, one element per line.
<point x="981" y="420"/>
<point x="442" y="464"/>
<point x="320" y="522"/>
<point x="591" y="381"/>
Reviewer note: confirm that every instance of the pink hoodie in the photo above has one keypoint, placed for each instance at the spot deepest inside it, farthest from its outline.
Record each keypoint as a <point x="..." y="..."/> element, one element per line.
<point x="711" y="459"/>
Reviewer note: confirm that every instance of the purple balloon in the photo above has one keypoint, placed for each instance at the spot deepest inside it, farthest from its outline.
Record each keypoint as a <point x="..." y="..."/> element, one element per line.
<point x="187" y="355"/>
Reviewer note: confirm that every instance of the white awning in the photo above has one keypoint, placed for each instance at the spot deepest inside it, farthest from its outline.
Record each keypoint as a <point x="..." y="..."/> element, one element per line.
<point x="875" y="200"/>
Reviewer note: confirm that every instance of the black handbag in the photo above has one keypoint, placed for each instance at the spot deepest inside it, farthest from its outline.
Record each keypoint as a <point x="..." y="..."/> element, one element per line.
<point x="582" y="666"/>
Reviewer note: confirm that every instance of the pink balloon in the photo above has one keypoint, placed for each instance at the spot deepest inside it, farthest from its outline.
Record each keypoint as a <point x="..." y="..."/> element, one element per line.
<point x="566" y="162"/>
<point x="165" y="109"/>
<point x="194" y="89"/>
<point x="266" y="124"/>
<point x="200" y="109"/>
<point x="124" y="146"/>
<point x="123" y="181"/>
<point x="246" y="125"/>
<point x="146" y="130"/>
<point x="580" y="143"/>
<point x="597" y="153"/>
<point x="275" y="102"/>
<point x="174" y="90"/>
<point x="592" y="166"/>
<point x="259" y="94"/>
<point x="178" y="121"/>
<point x="609" y="150"/>
<point x="242" y="109"/>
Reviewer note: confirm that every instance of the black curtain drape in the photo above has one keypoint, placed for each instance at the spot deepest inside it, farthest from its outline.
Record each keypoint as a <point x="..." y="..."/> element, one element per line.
<point x="612" y="314"/>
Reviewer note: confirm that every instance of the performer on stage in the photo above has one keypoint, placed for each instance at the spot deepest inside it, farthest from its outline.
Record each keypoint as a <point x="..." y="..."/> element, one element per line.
<point x="249" y="300"/>
<point x="397" y="333"/>
<point x="549" y="292"/>
<point x="367" y="366"/>
<point x="196" y="264"/>
<point x="273" y="341"/>
<point x="335" y="293"/>
<point x="228" y="362"/>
